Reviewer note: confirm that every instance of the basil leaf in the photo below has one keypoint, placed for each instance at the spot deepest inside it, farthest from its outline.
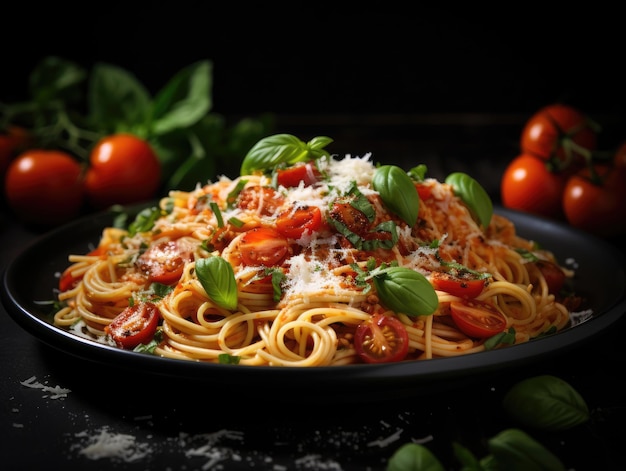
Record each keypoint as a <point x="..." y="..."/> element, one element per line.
<point x="282" y="148"/>
<point x="406" y="291"/>
<point x="218" y="280"/>
<point x="144" y="221"/>
<point x="514" y="450"/>
<point x="56" y="78"/>
<point x="118" y="101"/>
<point x="546" y="402"/>
<point x="184" y="100"/>
<point x="397" y="191"/>
<point x="473" y="195"/>
<point x="413" y="457"/>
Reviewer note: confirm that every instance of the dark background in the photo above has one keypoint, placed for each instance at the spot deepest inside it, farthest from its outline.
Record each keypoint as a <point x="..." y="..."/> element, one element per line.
<point x="440" y="85"/>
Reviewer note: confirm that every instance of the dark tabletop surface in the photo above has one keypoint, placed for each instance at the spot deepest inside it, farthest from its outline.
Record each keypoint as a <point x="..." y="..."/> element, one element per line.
<point x="57" y="406"/>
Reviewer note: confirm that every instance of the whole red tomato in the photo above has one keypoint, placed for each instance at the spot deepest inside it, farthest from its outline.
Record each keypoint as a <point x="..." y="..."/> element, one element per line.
<point x="528" y="185"/>
<point x="559" y="134"/>
<point x="44" y="187"/>
<point x="123" y="169"/>
<point x="597" y="205"/>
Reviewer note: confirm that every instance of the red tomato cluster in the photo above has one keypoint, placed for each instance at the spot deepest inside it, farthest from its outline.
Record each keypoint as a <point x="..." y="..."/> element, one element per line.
<point x="49" y="187"/>
<point x="561" y="174"/>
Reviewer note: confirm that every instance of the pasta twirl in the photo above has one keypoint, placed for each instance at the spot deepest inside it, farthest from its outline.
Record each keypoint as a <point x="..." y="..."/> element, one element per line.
<point x="304" y="259"/>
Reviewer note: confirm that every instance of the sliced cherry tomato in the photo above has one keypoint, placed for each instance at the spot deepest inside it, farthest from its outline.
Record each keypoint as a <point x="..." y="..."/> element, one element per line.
<point x="263" y="246"/>
<point x="528" y="185"/>
<point x="257" y="197"/>
<point x="300" y="219"/>
<point x="554" y="276"/>
<point x="164" y="262"/>
<point x="356" y="221"/>
<point x="381" y="339"/>
<point x="292" y="176"/>
<point x="468" y="286"/>
<point x="45" y="187"/>
<point x="477" y="318"/>
<point x="69" y="281"/>
<point x="597" y="205"/>
<point x="135" y="325"/>
<point x="424" y="191"/>
<point x="551" y="130"/>
<point x="123" y="169"/>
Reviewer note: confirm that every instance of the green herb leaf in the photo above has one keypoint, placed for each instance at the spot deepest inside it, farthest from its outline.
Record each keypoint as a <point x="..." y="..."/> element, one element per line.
<point x="397" y="191"/>
<point x="514" y="450"/>
<point x="414" y="457"/>
<point x="184" y="100"/>
<point x="218" y="280"/>
<point x="118" y="101"/>
<point x="282" y="148"/>
<point x="546" y="402"/>
<point x="473" y="195"/>
<point x="406" y="291"/>
<point x="144" y="221"/>
<point x="56" y="78"/>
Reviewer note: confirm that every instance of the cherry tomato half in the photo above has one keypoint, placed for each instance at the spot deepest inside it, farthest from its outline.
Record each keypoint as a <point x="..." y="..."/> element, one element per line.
<point x="546" y="135"/>
<point x="164" y="262"/>
<point x="296" y="221"/>
<point x="123" y="169"/>
<point x="527" y="185"/>
<point x="554" y="276"/>
<point x="292" y="176"/>
<point x="381" y="339"/>
<point x="597" y="207"/>
<point x="69" y="281"/>
<point x="44" y="187"/>
<point x="263" y="246"/>
<point x="462" y="286"/>
<point x="476" y="318"/>
<point x="135" y="325"/>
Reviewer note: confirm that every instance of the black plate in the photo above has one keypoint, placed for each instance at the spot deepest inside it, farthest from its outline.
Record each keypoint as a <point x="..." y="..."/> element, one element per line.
<point x="600" y="278"/>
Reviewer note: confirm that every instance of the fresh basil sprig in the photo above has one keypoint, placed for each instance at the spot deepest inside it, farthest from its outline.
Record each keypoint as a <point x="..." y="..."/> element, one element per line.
<point x="217" y="278"/>
<point x="546" y="402"/>
<point x="414" y="457"/>
<point x="515" y="450"/>
<point x="406" y="291"/>
<point x="397" y="191"/>
<point x="473" y="195"/>
<point x="283" y="149"/>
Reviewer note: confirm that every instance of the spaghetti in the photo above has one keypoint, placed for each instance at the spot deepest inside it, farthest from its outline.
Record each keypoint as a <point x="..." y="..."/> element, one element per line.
<point x="312" y="248"/>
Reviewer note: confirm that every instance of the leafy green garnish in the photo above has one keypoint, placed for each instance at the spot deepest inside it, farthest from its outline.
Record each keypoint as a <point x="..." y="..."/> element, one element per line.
<point x="473" y="195"/>
<point x="227" y="359"/>
<point x="546" y="402"/>
<point x="282" y="148"/>
<point x="397" y="191"/>
<point x="217" y="278"/>
<point x="144" y="221"/>
<point x="414" y="457"/>
<point x="515" y="450"/>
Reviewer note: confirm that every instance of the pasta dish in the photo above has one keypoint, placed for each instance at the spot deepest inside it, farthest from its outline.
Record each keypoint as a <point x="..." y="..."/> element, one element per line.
<point x="307" y="259"/>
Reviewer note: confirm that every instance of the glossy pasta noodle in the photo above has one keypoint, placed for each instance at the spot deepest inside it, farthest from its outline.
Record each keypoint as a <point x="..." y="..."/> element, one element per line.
<point x="297" y="250"/>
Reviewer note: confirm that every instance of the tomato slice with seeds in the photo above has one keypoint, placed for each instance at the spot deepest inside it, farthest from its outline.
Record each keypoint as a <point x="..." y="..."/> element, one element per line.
<point x="476" y="318"/>
<point x="381" y="339"/>
<point x="135" y="325"/>
<point x="292" y="176"/>
<point x="263" y="246"/>
<point x="164" y="262"/>
<point x="468" y="286"/>
<point x="295" y="221"/>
